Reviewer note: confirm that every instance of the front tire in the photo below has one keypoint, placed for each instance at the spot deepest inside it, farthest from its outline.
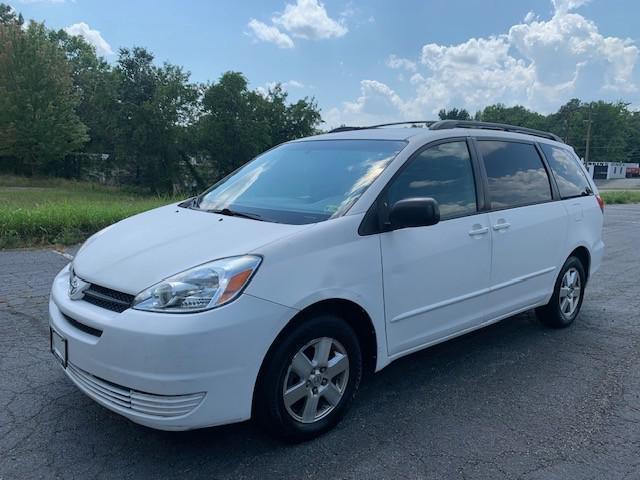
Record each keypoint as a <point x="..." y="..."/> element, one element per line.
<point x="310" y="379"/>
<point x="565" y="303"/>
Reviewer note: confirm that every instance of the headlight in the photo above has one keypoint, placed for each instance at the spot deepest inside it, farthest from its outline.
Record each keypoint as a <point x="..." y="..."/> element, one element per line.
<point x="201" y="288"/>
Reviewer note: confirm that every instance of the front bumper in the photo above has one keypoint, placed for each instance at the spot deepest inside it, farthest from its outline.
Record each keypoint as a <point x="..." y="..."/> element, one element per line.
<point x="168" y="371"/>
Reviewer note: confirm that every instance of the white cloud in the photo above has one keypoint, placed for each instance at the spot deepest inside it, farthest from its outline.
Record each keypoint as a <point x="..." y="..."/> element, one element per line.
<point x="93" y="37"/>
<point x="537" y="63"/>
<point x="293" y="84"/>
<point x="395" y="62"/>
<point x="564" y="6"/>
<point x="377" y="103"/>
<point x="269" y="33"/>
<point x="307" y="19"/>
<point x="264" y="90"/>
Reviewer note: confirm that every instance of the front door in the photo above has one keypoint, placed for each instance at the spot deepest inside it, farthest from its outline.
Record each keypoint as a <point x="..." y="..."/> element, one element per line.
<point x="436" y="278"/>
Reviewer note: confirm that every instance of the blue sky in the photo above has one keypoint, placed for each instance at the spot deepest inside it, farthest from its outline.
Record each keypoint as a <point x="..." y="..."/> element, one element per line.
<point x="381" y="60"/>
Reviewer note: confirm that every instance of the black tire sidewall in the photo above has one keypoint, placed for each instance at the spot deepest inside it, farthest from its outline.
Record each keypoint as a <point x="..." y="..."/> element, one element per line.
<point x="555" y="316"/>
<point x="270" y="408"/>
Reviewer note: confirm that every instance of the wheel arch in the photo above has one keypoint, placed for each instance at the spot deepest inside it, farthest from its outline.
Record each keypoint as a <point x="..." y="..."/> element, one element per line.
<point x="582" y="253"/>
<point x="352" y="313"/>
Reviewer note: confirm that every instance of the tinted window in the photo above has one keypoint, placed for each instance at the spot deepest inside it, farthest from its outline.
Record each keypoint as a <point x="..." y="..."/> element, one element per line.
<point x="515" y="172"/>
<point x="569" y="176"/>
<point x="442" y="172"/>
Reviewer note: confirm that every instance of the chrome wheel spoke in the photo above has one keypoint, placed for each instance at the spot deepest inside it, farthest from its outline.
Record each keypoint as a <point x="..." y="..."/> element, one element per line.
<point x="323" y="349"/>
<point x="310" y="408"/>
<point x="295" y="393"/>
<point x="570" y="291"/>
<point x="308" y="380"/>
<point x="301" y="365"/>
<point x="337" y="365"/>
<point x="331" y="394"/>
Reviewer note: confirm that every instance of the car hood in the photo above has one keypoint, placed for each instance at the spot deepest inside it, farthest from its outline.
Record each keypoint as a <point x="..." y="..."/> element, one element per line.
<point x="142" y="250"/>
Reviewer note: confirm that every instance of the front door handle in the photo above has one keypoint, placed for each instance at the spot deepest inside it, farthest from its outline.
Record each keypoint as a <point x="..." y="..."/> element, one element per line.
<point x="501" y="225"/>
<point x="478" y="231"/>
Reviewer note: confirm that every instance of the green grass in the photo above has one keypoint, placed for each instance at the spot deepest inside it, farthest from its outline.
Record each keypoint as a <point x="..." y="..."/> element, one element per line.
<point x="36" y="212"/>
<point x="623" y="196"/>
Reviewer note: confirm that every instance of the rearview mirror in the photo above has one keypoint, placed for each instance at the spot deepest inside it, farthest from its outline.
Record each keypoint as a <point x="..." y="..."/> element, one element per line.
<point x="414" y="212"/>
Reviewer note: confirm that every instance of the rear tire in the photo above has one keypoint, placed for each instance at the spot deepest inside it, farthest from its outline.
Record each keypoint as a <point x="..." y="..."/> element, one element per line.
<point x="564" y="305"/>
<point x="309" y="379"/>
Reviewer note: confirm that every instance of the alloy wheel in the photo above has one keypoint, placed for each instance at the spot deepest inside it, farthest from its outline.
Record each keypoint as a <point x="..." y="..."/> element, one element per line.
<point x="570" y="289"/>
<point x="316" y="380"/>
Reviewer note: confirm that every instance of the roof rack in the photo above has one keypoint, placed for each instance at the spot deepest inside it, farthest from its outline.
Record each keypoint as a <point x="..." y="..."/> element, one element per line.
<point x="345" y="128"/>
<point x="446" y="124"/>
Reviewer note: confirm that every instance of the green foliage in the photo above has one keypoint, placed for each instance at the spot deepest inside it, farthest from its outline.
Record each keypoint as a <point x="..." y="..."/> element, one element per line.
<point x="625" y="196"/>
<point x="237" y="123"/>
<point x="454" y="114"/>
<point x="45" y="211"/>
<point x="65" y="111"/>
<point x="8" y="16"/>
<point x="38" y="122"/>
<point x="94" y="85"/>
<point x="153" y="105"/>
<point x="517" y="115"/>
<point x="615" y="130"/>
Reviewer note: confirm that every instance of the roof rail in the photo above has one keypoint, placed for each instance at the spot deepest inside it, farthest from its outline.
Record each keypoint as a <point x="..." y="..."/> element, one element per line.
<point x="446" y="124"/>
<point x="345" y="128"/>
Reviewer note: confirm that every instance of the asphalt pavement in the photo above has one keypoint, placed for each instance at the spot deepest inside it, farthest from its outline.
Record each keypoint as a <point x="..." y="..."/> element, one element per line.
<point x="514" y="400"/>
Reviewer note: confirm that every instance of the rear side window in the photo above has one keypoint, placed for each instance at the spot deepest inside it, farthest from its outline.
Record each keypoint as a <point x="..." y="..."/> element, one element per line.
<point x="570" y="178"/>
<point x="442" y="172"/>
<point x="515" y="173"/>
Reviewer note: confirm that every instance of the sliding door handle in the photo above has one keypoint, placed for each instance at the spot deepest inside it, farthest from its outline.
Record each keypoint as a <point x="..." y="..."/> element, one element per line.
<point x="501" y="226"/>
<point x="478" y="231"/>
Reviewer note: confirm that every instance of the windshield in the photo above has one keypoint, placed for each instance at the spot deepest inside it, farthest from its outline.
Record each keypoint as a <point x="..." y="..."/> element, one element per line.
<point x="302" y="182"/>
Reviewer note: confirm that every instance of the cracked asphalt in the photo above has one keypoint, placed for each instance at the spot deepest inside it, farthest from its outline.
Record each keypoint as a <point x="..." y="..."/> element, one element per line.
<point x="514" y="400"/>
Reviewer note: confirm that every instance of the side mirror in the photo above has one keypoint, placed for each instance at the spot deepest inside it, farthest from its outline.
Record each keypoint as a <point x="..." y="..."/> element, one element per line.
<point x="414" y="212"/>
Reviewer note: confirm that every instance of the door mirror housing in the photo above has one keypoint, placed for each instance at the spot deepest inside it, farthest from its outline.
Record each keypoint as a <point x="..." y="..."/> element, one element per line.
<point x="413" y="212"/>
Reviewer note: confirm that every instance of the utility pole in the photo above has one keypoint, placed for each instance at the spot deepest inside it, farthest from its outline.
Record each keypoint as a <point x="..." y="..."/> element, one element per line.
<point x="589" y="122"/>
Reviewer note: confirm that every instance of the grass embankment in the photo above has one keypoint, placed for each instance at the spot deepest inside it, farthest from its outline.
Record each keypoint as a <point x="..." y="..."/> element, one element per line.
<point x="625" y="196"/>
<point x="35" y="212"/>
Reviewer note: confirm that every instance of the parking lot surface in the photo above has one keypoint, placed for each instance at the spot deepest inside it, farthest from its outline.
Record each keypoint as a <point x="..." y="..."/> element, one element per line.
<point x="515" y="400"/>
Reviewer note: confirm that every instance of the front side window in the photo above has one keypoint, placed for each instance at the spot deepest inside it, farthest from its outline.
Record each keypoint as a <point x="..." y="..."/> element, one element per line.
<point x="515" y="173"/>
<point x="570" y="178"/>
<point x="302" y="182"/>
<point x="442" y="172"/>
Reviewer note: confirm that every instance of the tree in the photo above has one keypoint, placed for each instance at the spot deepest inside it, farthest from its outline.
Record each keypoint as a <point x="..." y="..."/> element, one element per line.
<point x="94" y="84"/>
<point x="154" y="106"/>
<point x="612" y="137"/>
<point x="454" y="114"/>
<point x="238" y="123"/>
<point x="517" y="115"/>
<point x="8" y="16"/>
<point x="38" y="123"/>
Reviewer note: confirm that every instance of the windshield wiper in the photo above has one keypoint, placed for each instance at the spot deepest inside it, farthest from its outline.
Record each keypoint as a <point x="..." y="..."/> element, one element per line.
<point x="235" y="213"/>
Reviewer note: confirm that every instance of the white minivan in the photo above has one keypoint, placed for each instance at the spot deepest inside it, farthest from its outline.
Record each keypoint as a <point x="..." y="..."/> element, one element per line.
<point x="272" y="293"/>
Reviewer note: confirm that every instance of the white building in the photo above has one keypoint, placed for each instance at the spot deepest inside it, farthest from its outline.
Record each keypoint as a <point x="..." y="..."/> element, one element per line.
<point x="608" y="170"/>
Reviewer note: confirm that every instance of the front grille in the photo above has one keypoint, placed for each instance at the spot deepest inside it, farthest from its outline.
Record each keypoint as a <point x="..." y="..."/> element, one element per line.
<point x="122" y="398"/>
<point x="107" y="298"/>
<point x="81" y="326"/>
